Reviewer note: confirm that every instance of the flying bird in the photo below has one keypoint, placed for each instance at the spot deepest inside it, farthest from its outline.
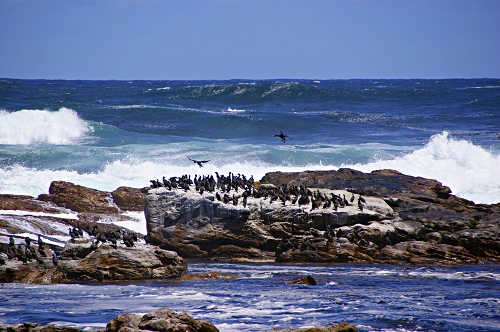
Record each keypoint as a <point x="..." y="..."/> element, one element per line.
<point x="199" y="162"/>
<point x="283" y="136"/>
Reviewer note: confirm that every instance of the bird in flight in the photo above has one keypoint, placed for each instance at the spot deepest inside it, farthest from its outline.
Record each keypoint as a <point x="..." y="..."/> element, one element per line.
<point x="199" y="162"/>
<point x="283" y="136"/>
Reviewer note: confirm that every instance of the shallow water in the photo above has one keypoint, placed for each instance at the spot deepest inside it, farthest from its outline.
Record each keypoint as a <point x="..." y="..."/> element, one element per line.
<point x="373" y="297"/>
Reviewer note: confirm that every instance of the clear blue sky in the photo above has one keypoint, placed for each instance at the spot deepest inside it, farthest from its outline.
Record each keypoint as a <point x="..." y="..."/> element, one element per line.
<point x="254" y="39"/>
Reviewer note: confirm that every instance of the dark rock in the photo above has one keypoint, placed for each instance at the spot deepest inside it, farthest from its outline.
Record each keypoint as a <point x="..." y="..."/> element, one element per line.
<point x="423" y="253"/>
<point x="309" y="280"/>
<point x="27" y="203"/>
<point x="130" y="199"/>
<point x="339" y="327"/>
<point x="79" y="198"/>
<point x="235" y="253"/>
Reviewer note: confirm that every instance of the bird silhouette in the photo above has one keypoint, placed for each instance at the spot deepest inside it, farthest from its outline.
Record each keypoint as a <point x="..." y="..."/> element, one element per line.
<point x="199" y="162"/>
<point x="283" y="136"/>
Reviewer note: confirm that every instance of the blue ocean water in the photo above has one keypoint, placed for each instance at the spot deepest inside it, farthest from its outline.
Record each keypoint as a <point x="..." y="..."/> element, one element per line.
<point x="372" y="297"/>
<point x="105" y="134"/>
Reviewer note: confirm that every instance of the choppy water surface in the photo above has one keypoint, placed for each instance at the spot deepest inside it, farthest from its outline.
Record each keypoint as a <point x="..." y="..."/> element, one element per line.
<point x="373" y="297"/>
<point x="107" y="134"/>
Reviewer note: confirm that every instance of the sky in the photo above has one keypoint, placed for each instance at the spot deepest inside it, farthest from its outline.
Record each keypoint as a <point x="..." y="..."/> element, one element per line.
<point x="249" y="39"/>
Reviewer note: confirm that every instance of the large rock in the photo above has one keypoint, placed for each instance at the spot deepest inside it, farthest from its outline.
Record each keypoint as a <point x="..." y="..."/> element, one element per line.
<point x="397" y="209"/>
<point x="104" y="263"/>
<point x="196" y="225"/>
<point x="27" y="203"/>
<point x="130" y="199"/>
<point x="79" y="198"/>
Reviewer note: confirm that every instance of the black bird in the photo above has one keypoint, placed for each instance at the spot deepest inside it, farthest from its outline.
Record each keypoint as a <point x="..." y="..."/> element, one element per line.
<point x="283" y="136"/>
<point x="199" y="162"/>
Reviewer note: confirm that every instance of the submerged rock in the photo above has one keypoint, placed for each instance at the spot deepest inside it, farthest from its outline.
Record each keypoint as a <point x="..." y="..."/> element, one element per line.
<point x="339" y="327"/>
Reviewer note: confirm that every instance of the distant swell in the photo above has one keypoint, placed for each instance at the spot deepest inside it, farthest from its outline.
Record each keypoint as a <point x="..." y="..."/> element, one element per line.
<point x="40" y="126"/>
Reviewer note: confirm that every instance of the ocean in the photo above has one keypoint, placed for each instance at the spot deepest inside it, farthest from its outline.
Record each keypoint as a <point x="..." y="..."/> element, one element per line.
<point x="106" y="134"/>
<point x="373" y="297"/>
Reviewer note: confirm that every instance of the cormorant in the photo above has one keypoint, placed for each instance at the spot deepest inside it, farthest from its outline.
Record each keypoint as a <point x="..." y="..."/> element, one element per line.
<point x="282" y="136"/>
<point x="199" y="162"/>
<point x="360" y="205"/>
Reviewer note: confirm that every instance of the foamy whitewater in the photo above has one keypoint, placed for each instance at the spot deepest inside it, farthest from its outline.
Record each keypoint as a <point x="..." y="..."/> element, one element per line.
<point x="106" y="134"/>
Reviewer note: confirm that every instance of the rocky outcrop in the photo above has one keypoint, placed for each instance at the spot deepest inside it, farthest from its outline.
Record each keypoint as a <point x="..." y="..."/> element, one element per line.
<point x="99" y="263"/>
<point x="201" y="226"/>
<point x="160" y="320"/>
<point x="82" y="199"/>
<point x="78" y="198"/>
<point x="387" y="217"/>
<point x="129" y="199"/>
<point x="339" y="327"/>
<point x="27" y="203"/>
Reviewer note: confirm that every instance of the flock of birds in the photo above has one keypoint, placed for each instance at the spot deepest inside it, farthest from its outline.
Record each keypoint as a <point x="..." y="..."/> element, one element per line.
<point x="222" y="186"/>
<point x="25" y="252"/>
<point x="128" y="238"/>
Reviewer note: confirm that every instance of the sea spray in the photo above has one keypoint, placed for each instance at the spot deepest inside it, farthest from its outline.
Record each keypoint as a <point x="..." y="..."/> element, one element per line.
<point x="41" y="126"/>
<point x="469" y="170"/>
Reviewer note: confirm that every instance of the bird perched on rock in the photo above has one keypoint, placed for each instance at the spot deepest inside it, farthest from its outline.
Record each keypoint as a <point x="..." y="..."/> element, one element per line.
<point x="199" y="162"/>
<point x="283" y="136"/>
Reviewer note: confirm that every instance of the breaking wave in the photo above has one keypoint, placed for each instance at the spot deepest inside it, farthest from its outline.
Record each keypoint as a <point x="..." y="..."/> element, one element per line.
<point x="62" y="127"/>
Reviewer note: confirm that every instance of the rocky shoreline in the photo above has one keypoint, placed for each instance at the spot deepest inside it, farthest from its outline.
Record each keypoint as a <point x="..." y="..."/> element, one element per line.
<point x="343" y="216"/>
<point x="78" y="234"/>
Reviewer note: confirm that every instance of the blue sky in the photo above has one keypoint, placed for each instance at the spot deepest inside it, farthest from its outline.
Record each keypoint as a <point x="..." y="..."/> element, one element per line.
<point x="254" y="39"/>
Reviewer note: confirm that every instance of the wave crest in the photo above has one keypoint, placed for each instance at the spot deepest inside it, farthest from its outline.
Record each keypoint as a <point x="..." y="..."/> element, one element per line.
<point x="40" y="126"/>
<point x="469" y="170"/>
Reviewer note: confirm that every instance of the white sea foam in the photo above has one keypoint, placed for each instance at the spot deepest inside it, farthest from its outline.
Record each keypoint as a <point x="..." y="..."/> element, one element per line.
<point x="41" y="126"/>
<point x="235" y="110"/>
<point x="469" y="170"/>
<point x="40" y="214"/>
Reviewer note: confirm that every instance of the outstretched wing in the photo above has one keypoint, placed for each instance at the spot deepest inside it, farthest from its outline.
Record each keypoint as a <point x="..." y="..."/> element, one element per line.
<point x="198" y="161"/>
